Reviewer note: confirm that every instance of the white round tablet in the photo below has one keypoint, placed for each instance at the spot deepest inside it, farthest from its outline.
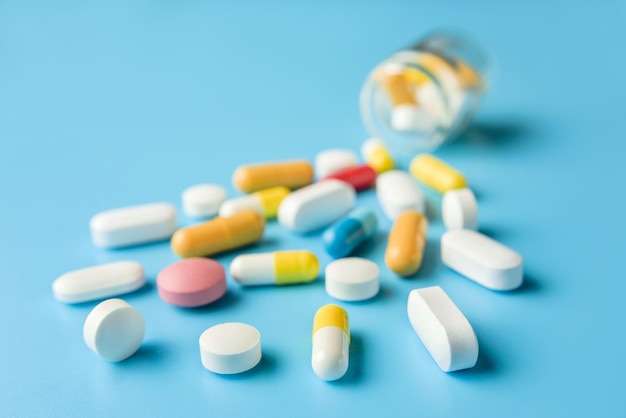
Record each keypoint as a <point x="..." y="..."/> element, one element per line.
<point x="230" y="348"/>
<point x="203" y="200"/>
<point x="114" y="330"/>
<point x="333" y="160"/>
<point x="459" y="209"/>
<point x="352" y="279"/>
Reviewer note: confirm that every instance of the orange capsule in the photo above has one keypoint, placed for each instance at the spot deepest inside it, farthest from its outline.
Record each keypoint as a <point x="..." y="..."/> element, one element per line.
<point x="291" y="174"/>
<point x="219" y="234"/>
<point x="406" y="244"/>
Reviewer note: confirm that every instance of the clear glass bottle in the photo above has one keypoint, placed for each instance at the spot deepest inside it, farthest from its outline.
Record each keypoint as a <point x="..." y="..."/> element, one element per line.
<point x="425" y="95"/>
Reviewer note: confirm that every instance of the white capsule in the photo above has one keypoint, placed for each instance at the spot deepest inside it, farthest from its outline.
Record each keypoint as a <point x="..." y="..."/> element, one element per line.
<point x="459" y="209"/>
<point x="203" y="200"/>
<point x="332" y="160"/>
<point x="230" y="348"/>
<point x="315" y="206"/>
<point x="445" y="332"/>
<point x="99" y="282"/>
<point x="133" y="225"/>
<point x="114" y="330"/>
<point x="331" y="343"/>
<point x="482" y="259"/>
<point x="397" y="192"/>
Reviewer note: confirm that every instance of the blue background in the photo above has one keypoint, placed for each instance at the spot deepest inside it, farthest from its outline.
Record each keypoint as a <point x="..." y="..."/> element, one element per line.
<point x="109" y="104"/>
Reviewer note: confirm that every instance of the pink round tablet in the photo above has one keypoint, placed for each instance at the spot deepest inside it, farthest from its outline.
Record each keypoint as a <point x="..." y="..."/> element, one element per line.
<point x="192" y="282"/>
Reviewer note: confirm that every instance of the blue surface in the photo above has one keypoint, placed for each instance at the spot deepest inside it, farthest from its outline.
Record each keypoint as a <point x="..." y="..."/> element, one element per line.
<point x="108" y="104"/>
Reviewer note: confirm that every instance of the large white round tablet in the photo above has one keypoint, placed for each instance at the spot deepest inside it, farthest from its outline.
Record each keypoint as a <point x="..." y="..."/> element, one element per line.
<point x="352" y="279"/>
<point x="332" y="160"/>
<point x="459" y="209"/>
<point x="114" y="330"/>
<point x="203" y="200"/>
<point x="230" y="348"/>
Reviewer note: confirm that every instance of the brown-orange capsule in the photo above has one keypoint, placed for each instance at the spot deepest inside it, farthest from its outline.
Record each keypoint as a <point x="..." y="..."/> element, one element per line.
<point x="291" y="174"/>
<point x="406" y="244"/>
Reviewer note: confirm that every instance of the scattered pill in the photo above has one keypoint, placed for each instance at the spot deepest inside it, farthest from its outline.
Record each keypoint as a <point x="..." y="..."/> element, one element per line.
<point x="360" y="177"/>
<point x="397" y="191"/>
<point x="280" y="267"/>
<point x="459" y="209"/>
<point x="332" y="160"/>
<point x="133" y="225"/>
<point x="316" y="206"/>
<point x="291" y="174"/>
<point x="192" y="282"/>
<point x="352" y="279"/>
<point x="443" y="329"/>
<point x="345" y="235"/>
<point x="265" y="202"/>
<point x="230" y="348"/>
<point x="114" y="330"/>
<point x="407" y="241"/>
<point x="219" y="234"/>
<point x="99" y="282"/>
<point x="377" y="156"/>
<point x="331" y="343"/>
<point x="203" y="200"/>
<point x="482" y="259"/>
<point x="436" y="174"/>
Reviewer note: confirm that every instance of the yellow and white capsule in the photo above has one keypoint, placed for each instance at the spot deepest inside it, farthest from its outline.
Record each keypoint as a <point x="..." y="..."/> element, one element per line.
<point x="280" y="267"/>
<point x="331" y="342"/>
<point x="265" y="202"/>
<point x="377" y="156"/>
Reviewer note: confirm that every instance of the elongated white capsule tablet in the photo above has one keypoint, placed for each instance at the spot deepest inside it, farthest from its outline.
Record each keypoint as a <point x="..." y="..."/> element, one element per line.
<point x="99" y="282"/>
<point x="482" y="259"/>
<point x="316" y="206"/>
<point x="280" y="267"/>
<point x="265" y="202"/>
<point x="459" y="209"/>
<point x="332" y="160"/>
<point x="133" y="225"/>
<point x="445" y="332"/>
<point x="114" y="330"/>
<point x="203" y="200"/>
<point x="397" y="191"/>
<point x="331" y="343"/>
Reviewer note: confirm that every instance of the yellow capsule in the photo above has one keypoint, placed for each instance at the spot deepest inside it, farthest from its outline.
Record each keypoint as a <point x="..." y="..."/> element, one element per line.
<point x="331" y="342"/>
<point x="468" y="76"/>
<point x="280" y="267"/>
<point x="291" y="174"/>
<point x="406" y="244"/>
<point x="218" y="235"/>
<point x="264" y="201"/>
<point x="377" y="156"/>
<point x="399" y="91"/>
<point x="436" y="174"/>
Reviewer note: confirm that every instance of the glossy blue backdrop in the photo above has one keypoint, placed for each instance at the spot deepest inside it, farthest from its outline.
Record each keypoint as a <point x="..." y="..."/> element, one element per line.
<point x="108" y="104"/>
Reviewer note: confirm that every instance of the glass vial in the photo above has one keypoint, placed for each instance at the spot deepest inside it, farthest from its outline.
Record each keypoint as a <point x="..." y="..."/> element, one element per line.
<point x="425" y="95"/>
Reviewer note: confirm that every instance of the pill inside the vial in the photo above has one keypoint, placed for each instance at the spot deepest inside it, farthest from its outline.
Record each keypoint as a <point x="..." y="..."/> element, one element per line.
<point x="406" y="244"/>
<point x="203" y="200"/>
<point x="397" y="191"/>
<point x="330" y="161"/>
<point x="219" y="234"/>
<point x="482" y="259"/>
<point x="133" y="225"/>
<point x="331" y="343"/>
<point x="377" y="156"/>
<point x="280" y="267"/>
<point x="352" y="279"/>
<point x="436" y="174"/>
<point x="114" y="330"/>
<point x="459" y="209"/>
<point x="192" y="282"/>
<point x="316" y="206"/>
<point x="360" y="177"/>
<point x="230" y="348"/>
<point x="291" y="174"/>
<point x="265" y="202"/>
<point x="99" y="282"/>
<point x="443" y="329"/>
<point x="344" y="236"/>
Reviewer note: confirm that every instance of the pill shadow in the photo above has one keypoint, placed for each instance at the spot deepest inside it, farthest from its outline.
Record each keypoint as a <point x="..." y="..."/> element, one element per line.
<point x="147" y="245"/>
<point x="384" y="293"/>
<point x="529" y="285"/>
<point x="148" y="287"/>
<point x="499" y="233"/>
<point x="430" y="260"/>
<point x="354" y="374"/>
<point x="229" y="299"/>
<point x="369" y="247"/>
<point x="266" y="366"/>
<point x="504" y="132"/>
<point x="485" y="366"/>
<point x="259" y="246"/>
<point x="148" y="353"/>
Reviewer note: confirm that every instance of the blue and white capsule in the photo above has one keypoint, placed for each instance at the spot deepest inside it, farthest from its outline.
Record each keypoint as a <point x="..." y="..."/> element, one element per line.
<point x="344" y="236"/>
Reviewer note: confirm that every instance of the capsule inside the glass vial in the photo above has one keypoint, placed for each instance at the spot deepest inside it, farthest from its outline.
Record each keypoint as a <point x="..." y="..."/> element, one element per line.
<point x="331" y="343"/>
<point x="280" y="267"/>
